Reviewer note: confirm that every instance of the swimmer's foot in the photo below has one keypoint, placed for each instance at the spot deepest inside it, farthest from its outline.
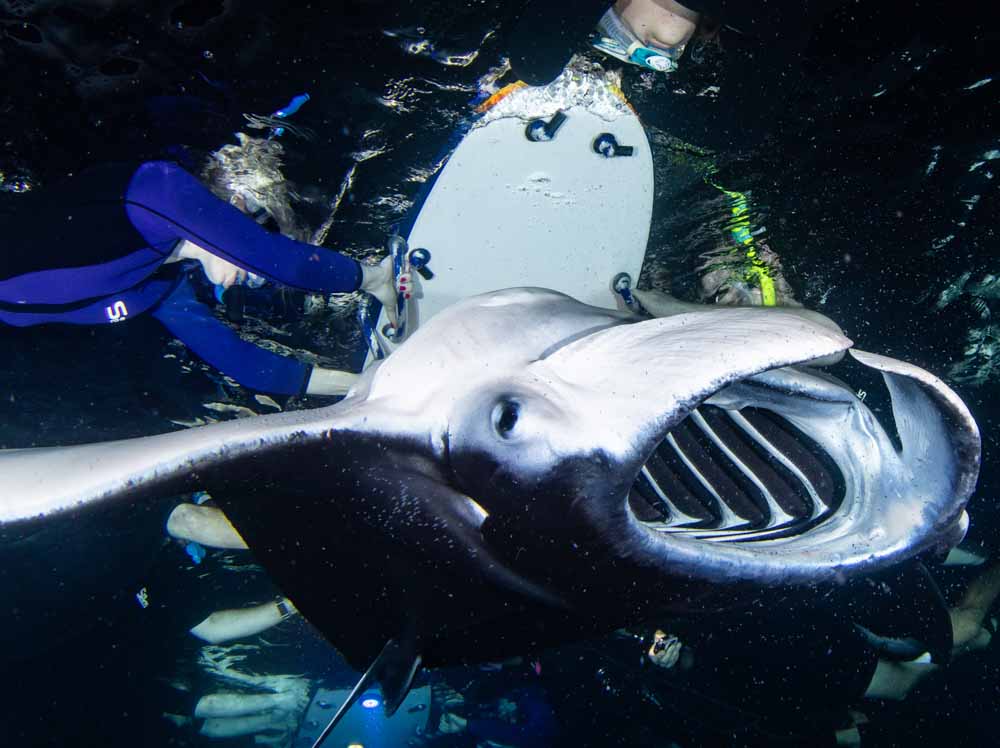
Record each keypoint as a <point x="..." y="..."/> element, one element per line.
<point x="965" y="555"/>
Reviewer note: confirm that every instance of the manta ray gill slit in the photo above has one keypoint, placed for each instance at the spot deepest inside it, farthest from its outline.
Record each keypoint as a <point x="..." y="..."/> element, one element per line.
<point x="736" y="476"/>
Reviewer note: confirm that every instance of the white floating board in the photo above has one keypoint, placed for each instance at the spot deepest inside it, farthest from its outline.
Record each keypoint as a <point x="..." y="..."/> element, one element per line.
<point x="507" y="211"/>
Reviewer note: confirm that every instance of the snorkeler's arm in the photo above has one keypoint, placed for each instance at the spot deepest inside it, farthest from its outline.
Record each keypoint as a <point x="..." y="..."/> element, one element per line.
<point x="215" y="343"/>
<point x="166" y="203"/>
<point x="330" y="381"/>
<point x="226" y="625"/>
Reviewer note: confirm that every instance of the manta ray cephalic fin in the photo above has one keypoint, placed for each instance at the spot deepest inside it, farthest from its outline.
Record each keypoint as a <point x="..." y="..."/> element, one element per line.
<point x="393" y="670"/>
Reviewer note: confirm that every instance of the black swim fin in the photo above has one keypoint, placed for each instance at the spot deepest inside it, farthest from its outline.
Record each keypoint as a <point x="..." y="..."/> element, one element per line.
<point x="914" y="615"/>
<point x="393" y="671"/>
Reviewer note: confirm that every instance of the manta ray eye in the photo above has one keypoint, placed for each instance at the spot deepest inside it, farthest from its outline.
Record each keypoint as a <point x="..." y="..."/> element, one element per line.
<point x="504" y="418"/>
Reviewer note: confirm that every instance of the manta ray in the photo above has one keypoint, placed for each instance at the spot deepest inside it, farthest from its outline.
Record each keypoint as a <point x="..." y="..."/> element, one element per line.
<point x="525" y="463"/>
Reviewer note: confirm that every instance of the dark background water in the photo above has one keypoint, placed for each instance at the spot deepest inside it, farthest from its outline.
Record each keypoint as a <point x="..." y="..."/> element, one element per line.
<point x="848" y="195"/>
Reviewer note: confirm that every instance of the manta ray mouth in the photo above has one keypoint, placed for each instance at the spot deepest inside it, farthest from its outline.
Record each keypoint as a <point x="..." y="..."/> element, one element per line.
<point x="787" y="476"/>
<point x="736" y="476"/>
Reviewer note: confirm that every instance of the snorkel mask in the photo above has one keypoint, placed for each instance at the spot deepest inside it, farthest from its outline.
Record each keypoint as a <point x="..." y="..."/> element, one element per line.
<point x="234" y="295"/>
<point x="615" y="39"/>
<point x="252" y="208"/>
<point x="234" y="298"/>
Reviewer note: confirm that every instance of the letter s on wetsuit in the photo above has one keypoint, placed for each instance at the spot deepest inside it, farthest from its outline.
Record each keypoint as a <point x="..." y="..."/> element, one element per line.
<point x="88" y="251"/>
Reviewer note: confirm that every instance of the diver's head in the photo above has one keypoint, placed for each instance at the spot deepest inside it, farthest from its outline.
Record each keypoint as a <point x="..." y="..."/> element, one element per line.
<point x="649" y="33"/>
<point x="665" y="650"/>
<point x="249" y="176"/>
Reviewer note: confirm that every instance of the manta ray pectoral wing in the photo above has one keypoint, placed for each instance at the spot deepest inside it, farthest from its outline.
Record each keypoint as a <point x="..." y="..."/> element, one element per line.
<point x="58" y="507"/>
<point x="40" y="483"/>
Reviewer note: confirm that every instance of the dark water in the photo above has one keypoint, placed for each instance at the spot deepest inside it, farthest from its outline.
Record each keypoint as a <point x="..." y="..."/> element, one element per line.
<point x="859" y="200"/>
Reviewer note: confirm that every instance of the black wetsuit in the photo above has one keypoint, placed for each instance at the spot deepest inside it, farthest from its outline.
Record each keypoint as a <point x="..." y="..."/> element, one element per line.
<point x="782" y="676"/>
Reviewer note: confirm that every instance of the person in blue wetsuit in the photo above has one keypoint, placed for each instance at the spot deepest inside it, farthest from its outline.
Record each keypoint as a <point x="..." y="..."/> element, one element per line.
<point x="115" y="241"/>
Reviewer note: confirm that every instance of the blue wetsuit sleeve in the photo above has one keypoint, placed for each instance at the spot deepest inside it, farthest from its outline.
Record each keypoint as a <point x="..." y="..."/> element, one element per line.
<point x="166" y="203"/>
<point x="215" y="343"/>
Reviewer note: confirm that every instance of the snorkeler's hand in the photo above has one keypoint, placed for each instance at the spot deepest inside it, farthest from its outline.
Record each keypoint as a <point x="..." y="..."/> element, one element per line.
<point x="219" y="271"/>
<point x="222" y="273"/>
<point x="378" y="280"/>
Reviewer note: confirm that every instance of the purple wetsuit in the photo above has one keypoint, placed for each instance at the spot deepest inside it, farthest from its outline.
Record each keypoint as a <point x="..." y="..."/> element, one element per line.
<point x="88" y="251"/>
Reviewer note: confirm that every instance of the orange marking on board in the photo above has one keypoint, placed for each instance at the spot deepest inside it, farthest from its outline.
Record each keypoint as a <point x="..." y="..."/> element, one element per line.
<point x="500" y="95"/>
